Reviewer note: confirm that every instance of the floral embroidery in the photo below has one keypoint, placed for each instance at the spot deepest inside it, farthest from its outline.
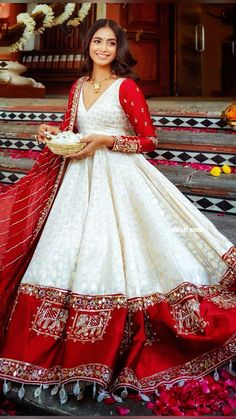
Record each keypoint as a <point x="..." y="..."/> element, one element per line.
<point x="50" y="320"/>
<point x="150" y="333"/>
<point x="126" y="144"/>
<point x="230" y="257"/>
<point x="24" y="372"/>
<point x="224" y="300"/>
<point x="187" y="317"/>
<point x="75" y="101"/>
<point x="126" y="341"/>
<point x="154" y="140"/>
<point x="91" y="372"/>
<point x="78" y="302"/>
<point x="138" y="304"/>
<point x="228" y="279"/>
<point x="89" y="326"/>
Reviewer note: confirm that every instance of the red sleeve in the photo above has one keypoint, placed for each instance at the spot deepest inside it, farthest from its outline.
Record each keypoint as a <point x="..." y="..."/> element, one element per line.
<point x="135" y="106"/>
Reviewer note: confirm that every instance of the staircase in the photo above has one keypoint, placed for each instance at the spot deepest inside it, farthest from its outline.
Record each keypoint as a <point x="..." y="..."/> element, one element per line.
<point x="190" y="133"/>
<point x="192" y="136"/>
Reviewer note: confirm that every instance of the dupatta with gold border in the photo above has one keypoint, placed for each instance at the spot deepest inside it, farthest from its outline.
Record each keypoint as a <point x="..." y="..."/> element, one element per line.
<point x="24" y="209"/>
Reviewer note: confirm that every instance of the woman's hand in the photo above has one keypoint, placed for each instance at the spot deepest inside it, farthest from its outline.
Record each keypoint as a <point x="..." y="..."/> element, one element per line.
<point x="93" y="143"/>
<point x="45" y="129"/>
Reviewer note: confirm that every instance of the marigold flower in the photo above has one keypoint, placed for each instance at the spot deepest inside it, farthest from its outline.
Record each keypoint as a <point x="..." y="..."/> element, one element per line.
<point x="226" y="169"/>
<point x="215" y="171"/>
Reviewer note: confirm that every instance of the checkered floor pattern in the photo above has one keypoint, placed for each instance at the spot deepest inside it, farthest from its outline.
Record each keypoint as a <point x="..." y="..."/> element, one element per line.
<point x="158" y="120"/>
<point x="20" y="144"/>
<point x="204" y="157"/>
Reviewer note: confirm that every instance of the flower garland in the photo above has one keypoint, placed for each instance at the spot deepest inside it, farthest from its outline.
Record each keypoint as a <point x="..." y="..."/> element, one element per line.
<point x="48" y="21"/>
<point x="48" y="16"/>
<point x="83" y="12"/>
<point x="69" y="9"/>
<point x="30" y="24"/>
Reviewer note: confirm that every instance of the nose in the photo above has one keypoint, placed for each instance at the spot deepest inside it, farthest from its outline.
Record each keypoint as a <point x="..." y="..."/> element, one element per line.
<point x="103" y="46"/>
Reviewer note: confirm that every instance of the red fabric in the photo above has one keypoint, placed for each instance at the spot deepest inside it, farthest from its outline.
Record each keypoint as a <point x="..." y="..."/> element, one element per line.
<point x="139" y="343"/>
<point x="135" y="106"/>
<point x="21" y="208"/>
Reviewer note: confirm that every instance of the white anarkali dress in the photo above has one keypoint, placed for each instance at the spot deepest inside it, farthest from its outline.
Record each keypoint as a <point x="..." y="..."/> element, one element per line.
<point x="129" y="284"/>
<point x="119" y="226"/>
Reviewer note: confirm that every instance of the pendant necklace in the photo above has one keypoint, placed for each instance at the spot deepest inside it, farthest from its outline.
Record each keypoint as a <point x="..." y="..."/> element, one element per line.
<point x="97" y="84"/>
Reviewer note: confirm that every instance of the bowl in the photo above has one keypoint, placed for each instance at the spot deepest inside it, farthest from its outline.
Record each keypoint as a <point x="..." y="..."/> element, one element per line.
<point x="64" y="149"/>
<point x="65" y="142"/>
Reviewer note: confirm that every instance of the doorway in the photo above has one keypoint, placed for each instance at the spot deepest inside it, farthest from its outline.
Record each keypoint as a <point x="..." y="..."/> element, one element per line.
<point x="205" y="50"/>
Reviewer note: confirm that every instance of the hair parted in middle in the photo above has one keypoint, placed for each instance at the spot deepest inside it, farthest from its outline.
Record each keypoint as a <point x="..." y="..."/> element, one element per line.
<point x="124" y="61"/>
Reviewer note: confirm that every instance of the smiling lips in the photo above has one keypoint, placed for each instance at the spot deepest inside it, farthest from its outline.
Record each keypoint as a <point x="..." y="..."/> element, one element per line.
<point x="102" y="55"/>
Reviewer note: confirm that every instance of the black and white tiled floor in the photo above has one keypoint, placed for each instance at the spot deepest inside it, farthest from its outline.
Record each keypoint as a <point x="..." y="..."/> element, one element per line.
<point x="10" y="177"/>
<point x="228" y="206"/>
<point x="204" y="157"/>
<point x="189" y="122"/>
<point x="207" y="203"/>
<point x="20" y="144"/>
<point x="158" y="120"/>
<point x="182" y="156"/>
<point x="31" y="116"/>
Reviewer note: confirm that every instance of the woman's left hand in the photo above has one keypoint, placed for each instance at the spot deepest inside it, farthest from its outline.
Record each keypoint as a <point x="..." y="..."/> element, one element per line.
<point x="93" y="143"/>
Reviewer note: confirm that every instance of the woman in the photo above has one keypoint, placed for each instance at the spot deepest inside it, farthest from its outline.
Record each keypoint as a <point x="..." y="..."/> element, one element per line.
<point x="129" y="285"/>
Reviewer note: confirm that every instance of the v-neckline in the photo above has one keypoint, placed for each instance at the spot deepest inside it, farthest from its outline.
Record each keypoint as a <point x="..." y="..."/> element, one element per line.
<point x="93" y="104"/>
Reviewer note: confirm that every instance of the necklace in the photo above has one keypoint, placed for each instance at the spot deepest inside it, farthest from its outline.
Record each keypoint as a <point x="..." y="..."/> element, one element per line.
<point x="97" y="84"/>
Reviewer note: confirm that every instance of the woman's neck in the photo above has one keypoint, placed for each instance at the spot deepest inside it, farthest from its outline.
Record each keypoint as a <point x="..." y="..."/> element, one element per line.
<point x="101" y="72"/>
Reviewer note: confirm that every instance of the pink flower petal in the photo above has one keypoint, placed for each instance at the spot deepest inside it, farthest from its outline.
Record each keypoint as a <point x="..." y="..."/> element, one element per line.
<point x="191" y="413"/>
<point x="122" y="411"/>
<point x="225" y="374"/>
<point x="150" y="405"/>
<point x="204" y="410"/>
<point x="109" y="400"/>
<point x="156" y="412"/>
<point x="204" y="387"/>
<point x="232" y="403"/>
<point x="226" y="410"/>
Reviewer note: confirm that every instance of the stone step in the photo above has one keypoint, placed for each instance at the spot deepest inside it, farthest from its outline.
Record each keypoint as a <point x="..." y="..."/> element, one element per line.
<point x="195" y="146"/>
<point x="189" y="132"/>
<point x="166" y="112"/>
<point x="217" y="194"/>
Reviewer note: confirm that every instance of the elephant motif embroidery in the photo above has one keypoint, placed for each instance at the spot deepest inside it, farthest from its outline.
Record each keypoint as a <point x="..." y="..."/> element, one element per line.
<point x="50" y="320"/>
<point x="89" y="326"/>
<point x="188" y="317"/>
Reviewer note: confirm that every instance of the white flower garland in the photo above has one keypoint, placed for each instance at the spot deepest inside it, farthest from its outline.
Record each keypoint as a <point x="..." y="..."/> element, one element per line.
<point x="48" y="21"/>
<point x="48" y="13"/>
<point x="70" y="7"/>
<point x="30" y="24"/>
<point x="83" y="12"/>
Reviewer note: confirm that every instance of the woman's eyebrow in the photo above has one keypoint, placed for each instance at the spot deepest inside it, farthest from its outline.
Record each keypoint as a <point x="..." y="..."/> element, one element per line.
<point x="101" y="39"/>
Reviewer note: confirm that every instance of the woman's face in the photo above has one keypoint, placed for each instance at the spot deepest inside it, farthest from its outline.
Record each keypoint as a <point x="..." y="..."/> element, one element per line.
<point x="103" y="47"/>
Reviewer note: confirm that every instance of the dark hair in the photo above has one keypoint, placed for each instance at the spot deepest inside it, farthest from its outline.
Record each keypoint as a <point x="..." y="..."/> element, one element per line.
<point x="124" y="61"/>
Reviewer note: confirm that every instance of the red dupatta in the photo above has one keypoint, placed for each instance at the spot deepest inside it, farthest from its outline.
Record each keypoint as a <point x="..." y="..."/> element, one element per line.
<point x="24" y="210"/>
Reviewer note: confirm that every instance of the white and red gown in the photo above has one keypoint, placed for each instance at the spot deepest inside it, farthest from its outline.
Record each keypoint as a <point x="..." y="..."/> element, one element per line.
<point x="129" y="284"/>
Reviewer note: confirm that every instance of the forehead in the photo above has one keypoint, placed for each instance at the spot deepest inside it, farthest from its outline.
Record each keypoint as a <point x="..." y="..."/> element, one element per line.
<point x="104" y="33"/>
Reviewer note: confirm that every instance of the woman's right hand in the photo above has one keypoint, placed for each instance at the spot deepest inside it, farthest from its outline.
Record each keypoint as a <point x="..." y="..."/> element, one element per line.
<point x="45" y="129"/>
